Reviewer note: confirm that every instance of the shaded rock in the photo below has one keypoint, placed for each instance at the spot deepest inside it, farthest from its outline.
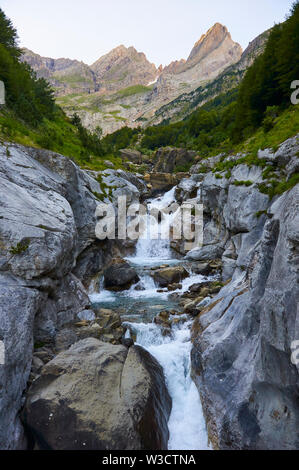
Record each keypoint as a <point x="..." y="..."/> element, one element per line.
<point x="60" y="308"/>
<point x="202" y="268"/>
<point x="187" y="189"/>
<point x="97" y="397"/>
<point x="120" y="276"/>
<point x="131" y="155"/>
<point x="168" y="158"/>
<point x="18" y="306"/>
<point x="161" y="182"/>
<point x="127" y="342"/>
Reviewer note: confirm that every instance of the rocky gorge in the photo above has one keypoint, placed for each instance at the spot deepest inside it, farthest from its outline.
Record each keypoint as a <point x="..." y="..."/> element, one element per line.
<point x="110" y="344"/>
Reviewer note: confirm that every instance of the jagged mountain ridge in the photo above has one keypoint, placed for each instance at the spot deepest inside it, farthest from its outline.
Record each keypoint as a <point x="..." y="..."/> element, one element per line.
<point x="186" y="103"/>
<point x="124" y="88"/>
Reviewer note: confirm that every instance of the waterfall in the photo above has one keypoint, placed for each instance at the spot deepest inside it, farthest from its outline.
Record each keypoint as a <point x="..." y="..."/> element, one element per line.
<point x="147" y="249"/>
<point x="186" y="423"/>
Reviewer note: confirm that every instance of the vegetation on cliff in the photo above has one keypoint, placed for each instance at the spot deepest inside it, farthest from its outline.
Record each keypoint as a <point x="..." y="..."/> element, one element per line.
<point x="257" y="114"/>
<point x="31" y="117"/>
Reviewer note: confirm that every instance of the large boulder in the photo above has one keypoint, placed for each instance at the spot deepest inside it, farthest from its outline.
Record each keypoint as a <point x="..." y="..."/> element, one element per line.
<point x="120" y="275"/>
<point x="133" y="156"/>
<point x="166" y="276"/>
<point x="167" y="159"/>
<point x="96" y="396"/>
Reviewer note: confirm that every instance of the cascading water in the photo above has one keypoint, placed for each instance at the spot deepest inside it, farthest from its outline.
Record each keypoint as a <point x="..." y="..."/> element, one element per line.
<point x="186" y="424"/>
<point x="147" y="249"/>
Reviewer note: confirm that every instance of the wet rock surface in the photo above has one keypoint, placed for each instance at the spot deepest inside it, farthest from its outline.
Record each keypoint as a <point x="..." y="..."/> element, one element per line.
<point x="120" y="276"/>
<point x="167" y="276"/>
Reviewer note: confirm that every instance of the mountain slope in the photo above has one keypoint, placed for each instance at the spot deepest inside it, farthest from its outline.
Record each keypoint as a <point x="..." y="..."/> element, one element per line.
<point x="123" y="67"/>
<point x="186" y="103"/>
<point x="110" y="93"/>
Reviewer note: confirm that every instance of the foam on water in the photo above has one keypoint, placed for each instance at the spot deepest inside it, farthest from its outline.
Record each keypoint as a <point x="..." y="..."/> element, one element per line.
<point x="186" y="423"/>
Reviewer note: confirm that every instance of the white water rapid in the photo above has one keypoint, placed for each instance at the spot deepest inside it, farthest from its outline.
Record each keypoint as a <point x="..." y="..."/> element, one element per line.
<point x="186" y="423"/>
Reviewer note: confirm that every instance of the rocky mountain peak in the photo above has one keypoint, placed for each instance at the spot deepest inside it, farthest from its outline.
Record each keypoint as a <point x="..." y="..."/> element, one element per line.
<point x="210" y="41"/>
<point x="217" y="37"/>
<point x="124" y="66"/>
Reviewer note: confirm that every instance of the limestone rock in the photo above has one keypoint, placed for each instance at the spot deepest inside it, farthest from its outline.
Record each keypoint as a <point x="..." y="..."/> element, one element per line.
<point x="120" y="276"/>
<point x="168" y="158"/>
<point x="98" y="397"/>
<point x="242" y="340"/>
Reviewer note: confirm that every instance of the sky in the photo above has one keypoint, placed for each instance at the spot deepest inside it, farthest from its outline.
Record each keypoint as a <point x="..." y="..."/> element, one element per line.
<point x="165" y="30"/>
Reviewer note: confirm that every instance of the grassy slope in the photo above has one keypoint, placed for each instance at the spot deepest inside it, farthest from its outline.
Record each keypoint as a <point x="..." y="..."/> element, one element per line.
<point x="58" y="135"/>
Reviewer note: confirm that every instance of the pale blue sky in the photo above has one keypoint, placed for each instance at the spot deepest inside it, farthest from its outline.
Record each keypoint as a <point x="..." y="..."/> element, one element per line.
<point x="164" y="30"/>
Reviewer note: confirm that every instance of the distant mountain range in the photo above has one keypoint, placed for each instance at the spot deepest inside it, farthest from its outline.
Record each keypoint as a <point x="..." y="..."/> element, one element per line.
<point x="124" y="88"/>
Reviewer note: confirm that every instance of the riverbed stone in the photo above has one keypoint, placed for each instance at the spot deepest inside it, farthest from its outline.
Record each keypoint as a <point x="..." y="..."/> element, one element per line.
<point x="167" y="276"/>
<point x="120" y="276"/>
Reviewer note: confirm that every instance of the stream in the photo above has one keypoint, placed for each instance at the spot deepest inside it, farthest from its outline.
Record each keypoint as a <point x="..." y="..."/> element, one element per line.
<point x="138" y="308"/>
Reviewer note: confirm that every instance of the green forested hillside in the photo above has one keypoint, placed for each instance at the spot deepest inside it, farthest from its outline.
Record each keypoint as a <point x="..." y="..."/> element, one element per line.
<point x="31" y="117"/>
<point x="261" y="105"/>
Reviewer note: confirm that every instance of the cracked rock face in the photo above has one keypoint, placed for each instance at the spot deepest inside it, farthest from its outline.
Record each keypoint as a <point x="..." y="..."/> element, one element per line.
<point x="241" y="353"/>
<point x="96" y="396"/>
<point x="47" y="246"/>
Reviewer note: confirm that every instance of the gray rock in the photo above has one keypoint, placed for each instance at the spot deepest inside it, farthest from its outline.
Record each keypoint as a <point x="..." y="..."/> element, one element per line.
<point x="18" y="306"/>
<point x="187" y="188"/>
<point x="97" y="397"/>
<point x="266" y="154"/>
<point x="243" y="204"/>
<point x="246" y="173"/>
<point x="293" y="166"/>
<point x="87" y="315"/>
<point x="204" y="302"/>
<point x="241" y="354"/>
<point x="287" y="151"/>
<point x="62" y="307"/>
<point x="120" y="276"/>
<point x="206" y="253"/>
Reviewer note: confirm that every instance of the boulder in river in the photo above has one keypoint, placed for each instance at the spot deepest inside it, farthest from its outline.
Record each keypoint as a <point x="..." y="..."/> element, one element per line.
<point x="173" y="275"/>
<point x="120" y="275"/>
<point x="96" y="396"/>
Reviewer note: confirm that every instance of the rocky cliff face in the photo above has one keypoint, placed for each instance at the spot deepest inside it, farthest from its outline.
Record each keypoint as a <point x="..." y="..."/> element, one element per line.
<point x="64" y="75"/>
<point x="216" y="44"/>
<point x="242" y="340"/>
<point x="48" y="249"/>
<point x="123" y="67"/>
<point x="124" y="88"/>
<point x="229" y="78"/>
